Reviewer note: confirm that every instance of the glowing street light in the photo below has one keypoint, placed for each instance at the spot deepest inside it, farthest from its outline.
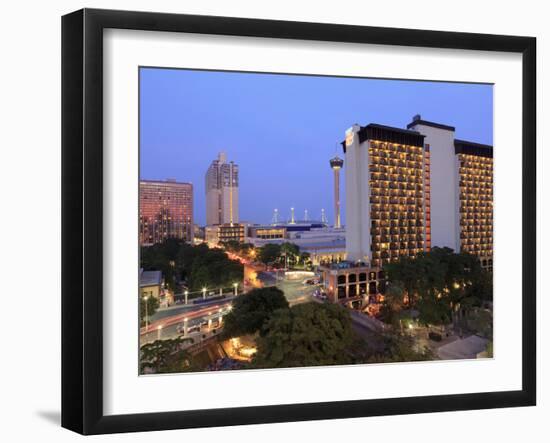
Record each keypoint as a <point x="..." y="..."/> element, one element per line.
<point x="186" y="293"/>
<point x="185" y="326"/>
<point x="235" y="286"/>
<point x="203" y="293"/>
<point x="146" y="298"/>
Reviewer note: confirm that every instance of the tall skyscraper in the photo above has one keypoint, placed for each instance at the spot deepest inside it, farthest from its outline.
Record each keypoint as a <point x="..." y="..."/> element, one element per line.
<point x="462" y="197"/>
<point x="408" y="190"/>
<point x="386" y="198"/>
<point x="165" y="211"/>
<point x="222" y="192"/>
<point x="336" y="164"/>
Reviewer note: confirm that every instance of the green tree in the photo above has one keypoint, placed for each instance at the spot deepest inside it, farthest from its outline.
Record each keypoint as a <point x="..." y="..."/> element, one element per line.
<point x="164" y="257"/>
<point x="163" y="356"/>
<point x="481" y="321"/>
<point x="393" y="304"/>
<point x="290" y="252"/>
<point x="305" y="259"/>
<point x="232" y="246"/>
<point x="399" y="348"/>
<point x="269" y="253"/>
<point x="442" y="285"/>
<point x="308" y="334"/>
<point x="214" y="269"/>
<point x="433" y="311"/>
<point x="251" y="310"/>
<point x="197" y="266"/>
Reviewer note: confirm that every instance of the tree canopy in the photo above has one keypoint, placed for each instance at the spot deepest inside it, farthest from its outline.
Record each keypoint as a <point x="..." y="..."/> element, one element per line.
<point x="163" y="356"/>
<point x="440" y="283"/>
<point x="308" y="334"/>
<point x="399" y="348"/>
<point x="252" y="309"/>
<point x="237" y="247"/>
<point x="199" y="266"/>
<point x="214" y="269"/>
<point x="269" y="253"/>
<point x="274" y="252"/>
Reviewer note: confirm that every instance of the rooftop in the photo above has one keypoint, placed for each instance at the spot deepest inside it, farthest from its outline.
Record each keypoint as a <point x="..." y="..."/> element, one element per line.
<point x="390" y="129"/>
<point x="417" y="120"/>
<point x="150" y="278"/>
<point x="167" y="182"/>
<point x="463" y="348"/>
<point x="472" y="148"/>
<point x="390" y="134"/>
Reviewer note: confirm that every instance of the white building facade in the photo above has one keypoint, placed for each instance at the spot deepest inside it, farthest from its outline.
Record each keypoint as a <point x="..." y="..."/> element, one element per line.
<point x="222" y="192"/>
<point x="440" y="139"/>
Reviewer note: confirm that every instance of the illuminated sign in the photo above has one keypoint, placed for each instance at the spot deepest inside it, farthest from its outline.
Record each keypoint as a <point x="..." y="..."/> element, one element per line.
<point x="349" y="137"/>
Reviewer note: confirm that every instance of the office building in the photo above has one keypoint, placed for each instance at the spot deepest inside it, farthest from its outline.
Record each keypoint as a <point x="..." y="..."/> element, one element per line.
<point x="165" y="211"/>
<point x="216" y="234"/>
<point x="222" y="192"/>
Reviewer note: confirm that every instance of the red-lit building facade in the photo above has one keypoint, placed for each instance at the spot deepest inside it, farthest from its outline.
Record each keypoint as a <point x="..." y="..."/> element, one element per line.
<point x="165" y="211"/>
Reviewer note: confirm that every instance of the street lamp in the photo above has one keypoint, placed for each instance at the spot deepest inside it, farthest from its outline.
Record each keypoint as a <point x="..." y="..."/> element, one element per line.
<point x="204" y="293"/>
<point x="146" y="298"/>
<point x="236" y="286"/>
<point x="159" y="331"/>
<point x="186" y="293"/>
<point x="185" y="326"/>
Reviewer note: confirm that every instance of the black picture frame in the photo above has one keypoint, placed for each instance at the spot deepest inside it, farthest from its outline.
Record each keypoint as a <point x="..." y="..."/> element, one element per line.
<point x="82" y="239"/>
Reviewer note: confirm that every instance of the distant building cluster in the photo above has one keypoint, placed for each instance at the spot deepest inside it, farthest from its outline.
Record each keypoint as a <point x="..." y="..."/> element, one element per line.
<point x="407" y="190"/>
<point x="322" y="242"/>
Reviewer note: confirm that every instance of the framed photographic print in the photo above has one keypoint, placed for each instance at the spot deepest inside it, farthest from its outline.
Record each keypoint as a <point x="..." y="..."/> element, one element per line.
<point x="269" y="221"/>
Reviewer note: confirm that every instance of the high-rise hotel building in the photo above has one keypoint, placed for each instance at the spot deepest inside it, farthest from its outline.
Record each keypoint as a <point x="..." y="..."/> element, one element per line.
<point x="408" y="190"/>
<point x="222" y="192"/>
<point x="387" y="194"/>
<point x="462" y="196"/>
<point x="165" y="211"/>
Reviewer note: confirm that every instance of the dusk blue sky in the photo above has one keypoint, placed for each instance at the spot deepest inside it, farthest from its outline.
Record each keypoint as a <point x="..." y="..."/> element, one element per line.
<point x="282" y="129"/>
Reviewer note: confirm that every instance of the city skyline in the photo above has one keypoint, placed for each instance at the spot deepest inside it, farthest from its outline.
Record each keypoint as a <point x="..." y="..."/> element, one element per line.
<point x="188" y="117"/>
<point x="408" y="189"/>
